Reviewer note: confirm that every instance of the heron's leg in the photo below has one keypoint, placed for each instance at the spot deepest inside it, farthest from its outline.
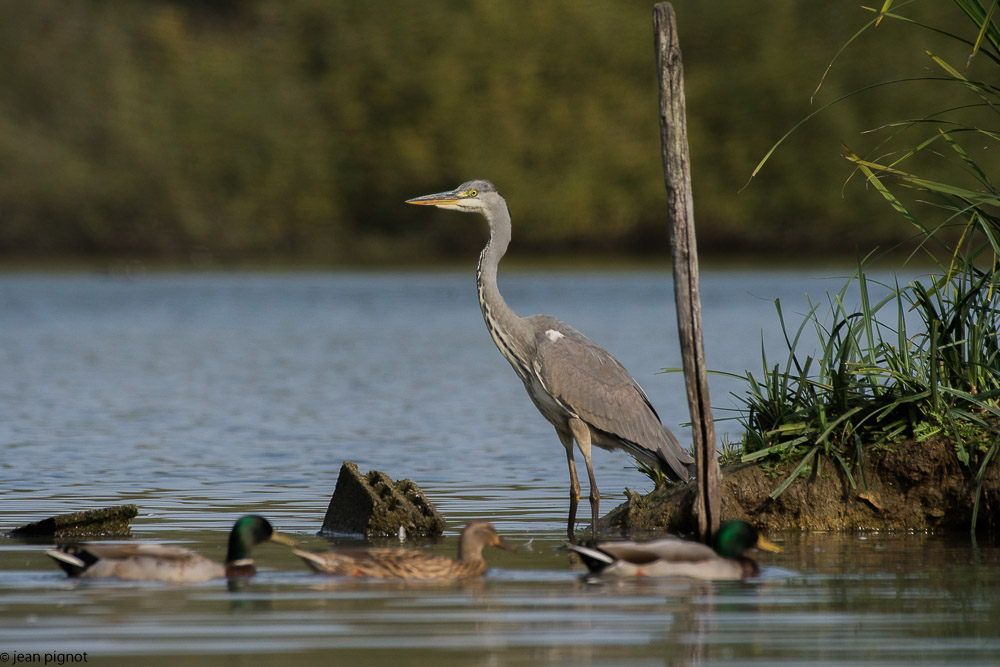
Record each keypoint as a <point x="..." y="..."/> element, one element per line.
<point x="574" y="489"/>
<point x="581" y="432"/>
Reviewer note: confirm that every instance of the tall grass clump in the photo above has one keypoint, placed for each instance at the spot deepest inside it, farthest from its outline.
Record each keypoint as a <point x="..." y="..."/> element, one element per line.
<point x="924" y="359"/>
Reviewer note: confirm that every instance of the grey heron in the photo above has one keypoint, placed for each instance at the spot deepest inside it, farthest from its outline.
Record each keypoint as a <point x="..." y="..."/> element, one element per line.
<point x="584" y="392"/>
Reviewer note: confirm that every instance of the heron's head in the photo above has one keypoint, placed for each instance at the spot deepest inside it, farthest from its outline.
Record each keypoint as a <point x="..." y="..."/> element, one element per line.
<point x="471" y="197"/>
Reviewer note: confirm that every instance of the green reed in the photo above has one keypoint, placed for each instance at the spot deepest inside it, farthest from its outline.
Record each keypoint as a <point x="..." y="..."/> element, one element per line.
<point x="876" y="380"/>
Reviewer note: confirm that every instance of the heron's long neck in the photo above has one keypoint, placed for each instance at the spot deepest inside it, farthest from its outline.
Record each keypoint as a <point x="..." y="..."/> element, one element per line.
<point x="507" y="329"/>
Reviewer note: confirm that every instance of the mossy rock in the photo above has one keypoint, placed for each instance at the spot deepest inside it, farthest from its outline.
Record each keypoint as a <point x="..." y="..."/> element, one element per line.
<point x="375" y="506"/>
<point x="106" y="522"/>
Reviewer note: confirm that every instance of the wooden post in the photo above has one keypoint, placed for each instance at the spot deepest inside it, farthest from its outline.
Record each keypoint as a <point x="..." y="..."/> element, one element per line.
<point x="677" y="177"/>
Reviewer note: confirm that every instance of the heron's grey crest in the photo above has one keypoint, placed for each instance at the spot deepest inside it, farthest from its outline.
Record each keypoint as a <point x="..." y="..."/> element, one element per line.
<point x="576" y="384"/>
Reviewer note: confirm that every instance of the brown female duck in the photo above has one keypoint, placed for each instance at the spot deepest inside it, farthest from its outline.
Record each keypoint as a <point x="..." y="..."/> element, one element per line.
<point x="410" y="564"/>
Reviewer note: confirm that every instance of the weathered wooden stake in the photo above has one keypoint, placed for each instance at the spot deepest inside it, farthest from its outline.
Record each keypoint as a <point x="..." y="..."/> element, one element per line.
<point x="677" y="177"/>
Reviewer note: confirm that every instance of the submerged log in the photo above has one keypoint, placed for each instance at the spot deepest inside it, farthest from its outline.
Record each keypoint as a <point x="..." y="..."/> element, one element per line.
<point x="374" y="506"/>
<point x="106" y="522"/>
<point x="914" y="486"/>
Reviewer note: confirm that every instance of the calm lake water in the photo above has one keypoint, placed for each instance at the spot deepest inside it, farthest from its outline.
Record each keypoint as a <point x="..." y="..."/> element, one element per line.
<point x="202" y="397"/>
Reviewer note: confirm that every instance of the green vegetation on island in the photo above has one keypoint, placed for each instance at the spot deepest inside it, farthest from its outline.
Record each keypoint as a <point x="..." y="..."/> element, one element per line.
<point x="867" y="419"/>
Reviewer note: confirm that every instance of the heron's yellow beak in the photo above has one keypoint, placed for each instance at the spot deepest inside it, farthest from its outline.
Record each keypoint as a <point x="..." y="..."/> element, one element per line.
<point x="767" y="545"/>
<point x="439" y="199"/>
<point x="283" y="539"/>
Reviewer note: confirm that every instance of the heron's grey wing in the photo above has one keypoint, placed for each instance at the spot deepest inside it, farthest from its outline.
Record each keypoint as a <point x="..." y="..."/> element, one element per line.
<point x="591" y="383"/>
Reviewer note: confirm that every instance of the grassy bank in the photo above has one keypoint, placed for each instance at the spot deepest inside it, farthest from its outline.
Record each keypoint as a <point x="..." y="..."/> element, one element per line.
<point x="879" y="383"/>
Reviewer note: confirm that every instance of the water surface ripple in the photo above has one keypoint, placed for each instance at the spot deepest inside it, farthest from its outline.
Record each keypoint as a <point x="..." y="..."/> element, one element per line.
<point x="200" y="397"/>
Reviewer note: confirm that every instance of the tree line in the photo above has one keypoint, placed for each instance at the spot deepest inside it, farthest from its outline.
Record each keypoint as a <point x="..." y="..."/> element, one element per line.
<point x="292" y="130"/>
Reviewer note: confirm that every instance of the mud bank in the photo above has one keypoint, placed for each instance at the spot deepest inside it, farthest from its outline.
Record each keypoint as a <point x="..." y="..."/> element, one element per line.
<point x="914" y="486"/>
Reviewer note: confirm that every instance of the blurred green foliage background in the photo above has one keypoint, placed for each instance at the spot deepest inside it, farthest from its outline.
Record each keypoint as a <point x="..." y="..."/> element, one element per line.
<point x="292" y="130"/>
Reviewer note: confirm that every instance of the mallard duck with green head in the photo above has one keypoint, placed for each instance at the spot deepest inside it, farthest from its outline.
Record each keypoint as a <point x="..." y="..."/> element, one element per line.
<point x="723" y="559"/>
<point x="160" y="562"/>
<point x="410" y="564"/>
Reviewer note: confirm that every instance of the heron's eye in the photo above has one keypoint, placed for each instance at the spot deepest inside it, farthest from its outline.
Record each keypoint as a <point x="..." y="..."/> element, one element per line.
<point x="473" y="193"/>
